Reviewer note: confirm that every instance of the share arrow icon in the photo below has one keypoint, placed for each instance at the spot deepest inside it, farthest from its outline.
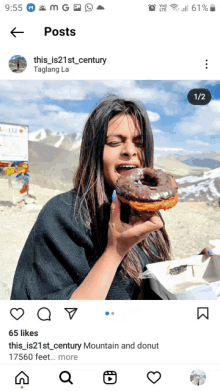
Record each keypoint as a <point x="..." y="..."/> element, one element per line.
<point x="71" y="312"/>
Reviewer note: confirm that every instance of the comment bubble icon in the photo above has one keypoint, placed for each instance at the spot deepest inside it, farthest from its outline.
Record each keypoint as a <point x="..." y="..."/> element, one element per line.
<point x="44" y="314"/>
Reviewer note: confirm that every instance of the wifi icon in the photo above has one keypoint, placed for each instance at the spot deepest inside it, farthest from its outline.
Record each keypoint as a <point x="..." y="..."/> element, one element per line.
<point x="174" y="6"/>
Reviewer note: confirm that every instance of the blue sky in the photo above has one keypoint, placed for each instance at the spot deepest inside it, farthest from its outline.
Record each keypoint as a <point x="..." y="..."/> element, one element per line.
<point x="64" y="106"/>
<point x="14" y="57"/>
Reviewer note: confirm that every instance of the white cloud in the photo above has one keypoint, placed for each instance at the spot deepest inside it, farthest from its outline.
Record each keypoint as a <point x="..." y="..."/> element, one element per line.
<point x="57" y="119"/>
<point x="213" y="82"/>
<point x="196" y="142"/>
<point x="167" y="149"/>
<point x="65" y="121"/>
<point x="215" y="106"/>
<point x="52" y="108"/>
<point x="153" y="117"/>
<point x="187" y="85"/>
<point x="19" y="92"/>
<point x="156" y="131"/>
<point x="206" y="120"/>
<point x="172" y="108"/>
<point x="143" y="94"/>
<point x="23" y="90"/>
<point x="73" y="90"/>
<point x="17" y="98"/>
<point x="19" y="113"/>
<point x="79" y="90"/>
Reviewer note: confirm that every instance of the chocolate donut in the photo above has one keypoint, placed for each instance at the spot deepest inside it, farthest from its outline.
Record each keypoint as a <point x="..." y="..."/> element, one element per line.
<point x="147" y="189"/>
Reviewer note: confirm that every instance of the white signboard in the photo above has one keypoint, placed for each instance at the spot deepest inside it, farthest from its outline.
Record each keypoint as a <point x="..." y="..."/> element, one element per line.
<point x="13" y="142"/>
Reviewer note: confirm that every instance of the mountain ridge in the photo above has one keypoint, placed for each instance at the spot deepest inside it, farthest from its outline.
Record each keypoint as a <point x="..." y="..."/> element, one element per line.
<point x="53" y="160"/>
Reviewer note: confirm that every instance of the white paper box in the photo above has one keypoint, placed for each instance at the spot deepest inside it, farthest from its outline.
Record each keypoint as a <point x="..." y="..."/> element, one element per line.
<point x="200" y="280"/>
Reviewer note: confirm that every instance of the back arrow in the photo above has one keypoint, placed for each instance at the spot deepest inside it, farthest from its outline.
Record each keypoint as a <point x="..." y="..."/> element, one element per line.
<point x="13" y="32"/>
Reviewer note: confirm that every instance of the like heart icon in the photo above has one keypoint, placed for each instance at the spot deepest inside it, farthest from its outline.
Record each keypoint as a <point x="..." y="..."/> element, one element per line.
<point x="154" y="376"/>
<point x="17" y="313"/>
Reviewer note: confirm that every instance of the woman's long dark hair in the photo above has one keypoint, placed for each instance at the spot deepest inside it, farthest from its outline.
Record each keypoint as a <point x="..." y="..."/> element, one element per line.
<point x="94" y="194"/>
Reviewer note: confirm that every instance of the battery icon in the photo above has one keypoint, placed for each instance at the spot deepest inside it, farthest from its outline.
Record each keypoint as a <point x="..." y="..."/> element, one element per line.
<point x="212" y="7"/>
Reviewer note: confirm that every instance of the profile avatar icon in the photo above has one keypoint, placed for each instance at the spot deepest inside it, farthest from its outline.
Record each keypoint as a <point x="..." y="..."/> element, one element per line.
<point x="197" y="377"/>
<point x="17" y="64"/>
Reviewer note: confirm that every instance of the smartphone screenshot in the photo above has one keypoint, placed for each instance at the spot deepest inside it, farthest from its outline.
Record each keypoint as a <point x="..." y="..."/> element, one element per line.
<point x="109" y="195"/>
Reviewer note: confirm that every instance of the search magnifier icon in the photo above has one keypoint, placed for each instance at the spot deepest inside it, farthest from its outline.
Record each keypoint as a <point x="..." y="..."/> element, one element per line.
<point x="65" y="377"/>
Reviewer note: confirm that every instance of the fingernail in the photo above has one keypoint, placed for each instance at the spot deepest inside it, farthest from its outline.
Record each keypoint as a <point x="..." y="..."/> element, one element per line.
<point x="114" y="195"/>
<point x="210" y="252"/>
<point x="138" y="182"/>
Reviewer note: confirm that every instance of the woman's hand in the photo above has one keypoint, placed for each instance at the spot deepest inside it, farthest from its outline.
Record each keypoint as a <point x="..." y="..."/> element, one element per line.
<point x="121" y="236"/>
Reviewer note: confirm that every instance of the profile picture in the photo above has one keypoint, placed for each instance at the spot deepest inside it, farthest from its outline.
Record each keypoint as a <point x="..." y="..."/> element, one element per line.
<point x="198" y="377"/>
<point x="17" y="64"/>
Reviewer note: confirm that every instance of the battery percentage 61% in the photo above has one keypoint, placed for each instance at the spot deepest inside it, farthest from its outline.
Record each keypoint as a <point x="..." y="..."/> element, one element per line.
<point x="198" y="7"/>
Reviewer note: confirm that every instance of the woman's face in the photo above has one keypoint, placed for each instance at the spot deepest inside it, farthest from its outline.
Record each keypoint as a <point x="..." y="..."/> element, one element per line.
<point x="123" y="149"/>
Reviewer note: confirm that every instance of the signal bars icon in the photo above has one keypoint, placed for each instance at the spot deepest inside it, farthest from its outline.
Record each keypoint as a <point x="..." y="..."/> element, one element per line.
<point x="185" y="8"/>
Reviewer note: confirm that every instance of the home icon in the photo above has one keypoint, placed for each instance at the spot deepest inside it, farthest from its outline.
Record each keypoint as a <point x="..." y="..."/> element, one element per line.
<point x="22" y="378"/>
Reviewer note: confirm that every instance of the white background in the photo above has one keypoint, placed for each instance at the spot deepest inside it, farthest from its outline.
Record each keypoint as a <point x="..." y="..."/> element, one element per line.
<point x="174" y="325"/>
<point x="139" y="44"/>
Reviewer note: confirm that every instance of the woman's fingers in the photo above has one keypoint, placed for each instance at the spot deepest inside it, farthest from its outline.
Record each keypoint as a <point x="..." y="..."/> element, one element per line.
<point x="135" y="219"/>
<point x="146" y="215"/>
<point x="143" y="214"/>
<point x="133" y="212"/>
<point x="123" y="236"/>
<point x="140" y="218"/>
<point x="141" y="228"/>
<point x="141" y="223"/>
<point x="207" y="252"/>
<point x="115" y="211"/>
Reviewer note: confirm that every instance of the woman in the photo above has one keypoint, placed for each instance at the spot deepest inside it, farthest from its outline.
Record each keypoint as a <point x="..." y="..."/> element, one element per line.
<point x="83" y="245"/>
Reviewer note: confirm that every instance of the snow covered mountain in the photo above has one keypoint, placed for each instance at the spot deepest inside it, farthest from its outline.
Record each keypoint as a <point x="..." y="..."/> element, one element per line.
<point x="56" y="155"/>
<point x="61" y="140"/>
<point x="202" y="162"/>
<point x="204" y="188"/>
<point x="39" y="135"/>
<point x="198" y="159"/>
